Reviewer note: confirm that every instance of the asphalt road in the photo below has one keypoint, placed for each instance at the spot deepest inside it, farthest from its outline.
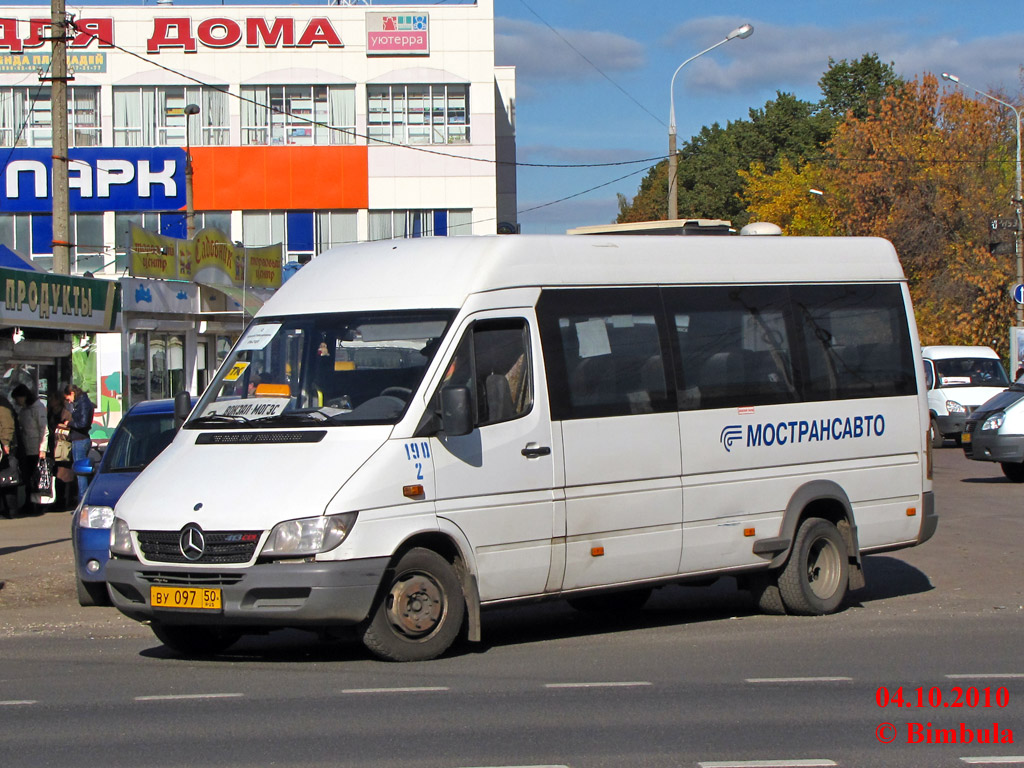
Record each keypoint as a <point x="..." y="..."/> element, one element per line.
<point x="698" y="678"/>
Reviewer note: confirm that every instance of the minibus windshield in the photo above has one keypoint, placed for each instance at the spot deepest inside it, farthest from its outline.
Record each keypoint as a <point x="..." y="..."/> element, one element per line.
<point x="330" y="369"/>
<point x="970" y="372"/>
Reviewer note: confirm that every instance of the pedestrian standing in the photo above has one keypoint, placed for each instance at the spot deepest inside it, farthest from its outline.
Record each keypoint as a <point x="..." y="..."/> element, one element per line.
<point x="82" y="410"/>
<point x="35" y="436"/>
<point x="8" y="443"/>
<point x="59" y="421"/>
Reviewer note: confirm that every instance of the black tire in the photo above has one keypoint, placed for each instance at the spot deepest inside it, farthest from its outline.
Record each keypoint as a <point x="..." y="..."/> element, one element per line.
<point x="612" y="602"/>
<point x="419" y="613"/>
<point x="935" y="434"/>
<point x="189" y="640"/>
<point x="92" y="593"/>
<point x="1014" y="472"/>
<point x="815" y="579"/>
<point x="764" y="588"/>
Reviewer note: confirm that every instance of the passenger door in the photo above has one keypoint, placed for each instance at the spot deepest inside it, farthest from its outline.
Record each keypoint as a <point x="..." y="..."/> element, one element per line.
<point x="606" y="353"/>
<point x="497" y="482"/>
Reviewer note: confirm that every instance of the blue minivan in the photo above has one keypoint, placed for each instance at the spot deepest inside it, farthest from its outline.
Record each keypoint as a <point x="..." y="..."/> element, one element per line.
<point x="143" y="433"/>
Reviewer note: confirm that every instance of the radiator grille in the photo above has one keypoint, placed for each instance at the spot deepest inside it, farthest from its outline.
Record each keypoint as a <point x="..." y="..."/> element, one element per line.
<point x="222" y="547"/>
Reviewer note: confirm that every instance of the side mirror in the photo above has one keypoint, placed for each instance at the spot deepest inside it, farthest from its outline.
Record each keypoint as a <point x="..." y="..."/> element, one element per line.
<point x="456" y="411"/>
<point x="83" y="467"/>
<point x="182" y="408"/>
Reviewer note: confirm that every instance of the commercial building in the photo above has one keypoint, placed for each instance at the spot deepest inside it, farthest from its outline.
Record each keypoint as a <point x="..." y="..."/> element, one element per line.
<point x="307" y="125"/>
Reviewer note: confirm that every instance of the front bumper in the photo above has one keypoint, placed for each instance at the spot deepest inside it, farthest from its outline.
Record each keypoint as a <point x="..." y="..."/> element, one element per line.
<point x="91" y="544"/>
<point x="296" y="594"/>
<point x="988" y="445"/>
<point x="952" y="425"/>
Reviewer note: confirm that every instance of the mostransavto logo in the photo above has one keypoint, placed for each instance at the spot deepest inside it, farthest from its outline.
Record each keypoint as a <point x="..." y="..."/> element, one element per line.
<point x="778" y="433"/>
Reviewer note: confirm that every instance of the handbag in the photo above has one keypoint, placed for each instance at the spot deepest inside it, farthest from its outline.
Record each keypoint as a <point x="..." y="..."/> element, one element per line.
<point x="10" y="474"/>
<point x="62" y="446"/>
<point x="44" y="478"/>
<point x="44" y="492"/>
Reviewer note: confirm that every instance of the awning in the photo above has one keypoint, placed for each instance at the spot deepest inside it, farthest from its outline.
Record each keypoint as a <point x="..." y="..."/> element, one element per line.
<point x="12" y="260"/>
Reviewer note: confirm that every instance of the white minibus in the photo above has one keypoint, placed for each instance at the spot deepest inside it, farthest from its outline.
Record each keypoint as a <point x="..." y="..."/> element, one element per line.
<point x="412" y="431"/>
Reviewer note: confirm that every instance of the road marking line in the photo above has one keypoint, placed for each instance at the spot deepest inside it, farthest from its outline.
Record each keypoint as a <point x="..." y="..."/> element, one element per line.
<point x="996" y="760"/>
<point x="991" y="676"/>
<point x="17" y="702"/>
<point x="183" y="696"/>
<point x="636" y="683"/>
<point x="423" y="689"/>
<point x="769" y="764"/>
<point x="799" y="679"/>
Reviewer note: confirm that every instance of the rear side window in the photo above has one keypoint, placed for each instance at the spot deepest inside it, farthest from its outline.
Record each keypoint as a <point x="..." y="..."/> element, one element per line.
<point x="605" y="352"/>
<point x="856" y="341"/>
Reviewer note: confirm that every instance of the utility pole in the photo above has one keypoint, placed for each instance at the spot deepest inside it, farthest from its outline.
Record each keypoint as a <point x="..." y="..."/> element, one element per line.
<point x="59" y="121"/>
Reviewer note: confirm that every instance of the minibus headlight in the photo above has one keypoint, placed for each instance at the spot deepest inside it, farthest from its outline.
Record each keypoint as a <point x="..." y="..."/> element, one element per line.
<point x="95" y="517"/>
<point x="308" y="536"/>
<point x="952" y="406"/>
<point x="121" y="538"/>
<point x="995" y="421"/>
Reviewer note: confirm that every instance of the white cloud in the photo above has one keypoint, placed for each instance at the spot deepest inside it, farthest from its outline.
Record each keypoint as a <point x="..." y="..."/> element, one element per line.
<point x="539" y="54"/>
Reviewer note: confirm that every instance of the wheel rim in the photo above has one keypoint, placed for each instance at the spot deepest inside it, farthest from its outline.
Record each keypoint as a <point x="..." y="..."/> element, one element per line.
<point x="824" y="567"/>
<point x="416" y="605"/>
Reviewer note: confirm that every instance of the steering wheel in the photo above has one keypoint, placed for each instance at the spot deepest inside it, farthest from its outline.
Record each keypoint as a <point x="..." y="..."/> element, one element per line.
<point x="402" y="393"/>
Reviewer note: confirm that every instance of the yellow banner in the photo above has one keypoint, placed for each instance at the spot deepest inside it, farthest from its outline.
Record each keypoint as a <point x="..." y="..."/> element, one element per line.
<point x="153" y="255"/>
<point x="208" y="258"/>
<point x="263" y="268"/>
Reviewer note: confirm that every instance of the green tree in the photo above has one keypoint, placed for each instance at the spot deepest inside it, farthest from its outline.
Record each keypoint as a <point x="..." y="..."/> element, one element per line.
<point x="855" y="86"/>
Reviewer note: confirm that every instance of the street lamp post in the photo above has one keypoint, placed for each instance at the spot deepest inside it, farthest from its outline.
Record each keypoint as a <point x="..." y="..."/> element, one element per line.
<point x="742" y="33"/>
<point x="1017" y="202"/>
<point x="190" y="211"/>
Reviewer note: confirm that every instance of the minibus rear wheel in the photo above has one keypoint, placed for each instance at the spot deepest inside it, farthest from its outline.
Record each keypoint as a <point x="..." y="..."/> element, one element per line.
<point x="420" y="612"/>
<point x="816" y="576"/>
<point x="188" y="640"/>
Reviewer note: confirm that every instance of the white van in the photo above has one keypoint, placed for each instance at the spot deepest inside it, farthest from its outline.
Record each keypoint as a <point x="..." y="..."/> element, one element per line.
<point x="959" y="379"/>
<point x="411" y="431"/>
<point x="995" y="432"/>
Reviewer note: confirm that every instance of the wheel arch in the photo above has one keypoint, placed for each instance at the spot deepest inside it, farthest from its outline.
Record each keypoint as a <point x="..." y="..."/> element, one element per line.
<point x="827" y="500"/>
<point x="447" y="544"/>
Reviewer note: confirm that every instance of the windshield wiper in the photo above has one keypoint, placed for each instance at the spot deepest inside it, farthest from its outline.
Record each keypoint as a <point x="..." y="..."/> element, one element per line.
<point x="217" y="418"/>
<point x="293" y="417"/>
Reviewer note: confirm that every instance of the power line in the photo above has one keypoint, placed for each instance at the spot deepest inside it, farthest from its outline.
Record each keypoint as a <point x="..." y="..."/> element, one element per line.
<point x="347" y="132"/>
<point x="592" y="64"/>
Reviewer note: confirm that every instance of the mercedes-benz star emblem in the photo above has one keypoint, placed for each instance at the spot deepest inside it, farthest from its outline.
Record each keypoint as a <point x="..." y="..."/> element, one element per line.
<point x="192" y="542"/>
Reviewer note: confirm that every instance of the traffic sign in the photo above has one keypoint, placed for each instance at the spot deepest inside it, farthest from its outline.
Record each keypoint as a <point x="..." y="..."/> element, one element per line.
<point x="1018" y="293"/>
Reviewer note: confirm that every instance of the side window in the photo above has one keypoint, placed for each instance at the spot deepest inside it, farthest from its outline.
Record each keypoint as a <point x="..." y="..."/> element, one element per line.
<point x="493" y="360"/>
<point x="733" y="346"/>
<point x="605" y="352"/>
<point x="856" y="341"/>
<point x="929" y="374"/>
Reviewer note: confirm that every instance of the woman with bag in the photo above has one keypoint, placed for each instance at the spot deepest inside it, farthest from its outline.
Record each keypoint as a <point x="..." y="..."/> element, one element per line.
<point x="34" y="437"/>
<point x="9" y="469"/>
<point x="59" y="420"/>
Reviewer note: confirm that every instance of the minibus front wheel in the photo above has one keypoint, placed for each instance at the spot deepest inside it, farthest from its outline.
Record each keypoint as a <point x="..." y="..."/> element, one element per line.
<point x="814" y="580"/>
<point x="419" y="612"/>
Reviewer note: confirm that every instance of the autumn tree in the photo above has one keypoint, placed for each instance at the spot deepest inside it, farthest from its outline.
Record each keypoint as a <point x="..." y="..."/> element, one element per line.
<point x="928" y="171"/>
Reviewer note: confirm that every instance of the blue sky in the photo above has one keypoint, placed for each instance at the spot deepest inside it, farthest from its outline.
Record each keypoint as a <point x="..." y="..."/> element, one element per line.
<point x="593" y="75"/>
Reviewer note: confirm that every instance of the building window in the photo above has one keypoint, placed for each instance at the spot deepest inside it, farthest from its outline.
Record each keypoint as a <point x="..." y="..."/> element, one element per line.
<point x="298" y="114"/>
<point x="88" y="253"/>
<point x="304" y="233"/>
<point x="418" y="114"/>
<point x="26" y="120"/>
<point x="387" y="225"/>
<point x="155" y="116"/>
